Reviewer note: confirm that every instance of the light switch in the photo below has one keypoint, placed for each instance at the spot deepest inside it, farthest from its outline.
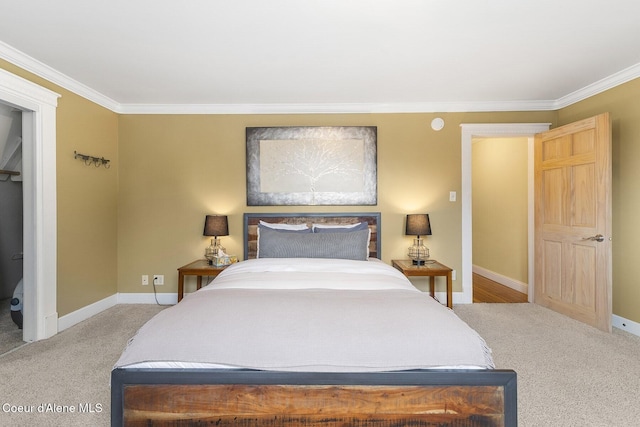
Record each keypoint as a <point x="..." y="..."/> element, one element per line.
<point x="452" y="196"/>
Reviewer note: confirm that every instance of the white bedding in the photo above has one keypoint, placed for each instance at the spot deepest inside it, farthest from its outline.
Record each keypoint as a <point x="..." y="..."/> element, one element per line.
<point x="316" y="315"/>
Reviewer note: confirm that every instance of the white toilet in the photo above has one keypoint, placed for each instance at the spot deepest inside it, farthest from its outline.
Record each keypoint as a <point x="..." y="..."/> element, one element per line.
<point x="16" y="304"/>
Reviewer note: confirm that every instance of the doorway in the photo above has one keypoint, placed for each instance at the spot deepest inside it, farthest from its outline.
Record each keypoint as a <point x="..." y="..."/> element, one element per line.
<point x="492" y="130"/>
<point x="11" y="252"/>
<point x="500" y="219"/>
<point x="38" y="106"/>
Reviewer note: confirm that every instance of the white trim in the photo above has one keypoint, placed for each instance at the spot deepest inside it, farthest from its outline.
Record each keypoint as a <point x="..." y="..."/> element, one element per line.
<point x="600" y="86"/>
<point x="626" y="325"/>
<point x="514" y="284"/>
<point x="98" y="307"/>
<point x="86" y="312"/>
<point x="39" y="199"/>
<point x="531" y="222"/>
<point x="148" y="298"/>
<point x="458" y="298"/>
<point x="422" y="285"/>
<point x="469" y="131"/>
<point x="355" y="108"/>
<point x="34" y="66"/>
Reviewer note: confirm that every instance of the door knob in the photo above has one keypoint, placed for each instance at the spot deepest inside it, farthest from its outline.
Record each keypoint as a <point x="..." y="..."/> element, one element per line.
<point x="596" y="238"/>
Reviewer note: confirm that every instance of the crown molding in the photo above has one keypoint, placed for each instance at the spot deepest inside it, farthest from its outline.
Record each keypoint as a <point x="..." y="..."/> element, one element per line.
<point x="364" y="108"/>
<point x="40" y="69"/>
<point x="600" y="86"/>
<point x="15" y="87"/>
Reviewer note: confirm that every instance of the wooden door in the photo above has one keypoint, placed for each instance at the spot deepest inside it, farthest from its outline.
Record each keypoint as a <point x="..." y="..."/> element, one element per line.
<point x="573" y="220"/>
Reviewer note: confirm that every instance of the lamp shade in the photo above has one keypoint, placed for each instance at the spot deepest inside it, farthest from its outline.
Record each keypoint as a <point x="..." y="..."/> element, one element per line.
<point x="418" y="225"/>
<point x="216" y="225"/>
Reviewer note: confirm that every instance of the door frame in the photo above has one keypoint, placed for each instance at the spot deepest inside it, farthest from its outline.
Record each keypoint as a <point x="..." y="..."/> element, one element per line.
<point x="38" y="105"/>
<point x="493" y="130"/>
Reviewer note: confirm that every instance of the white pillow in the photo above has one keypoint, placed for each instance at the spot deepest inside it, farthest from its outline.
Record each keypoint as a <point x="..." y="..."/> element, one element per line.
<point x="339" y="226"/>
<point x="284" y="226"/>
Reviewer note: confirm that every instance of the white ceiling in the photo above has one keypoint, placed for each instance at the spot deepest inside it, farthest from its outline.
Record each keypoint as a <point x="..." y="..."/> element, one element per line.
<point x="326" y="55"/>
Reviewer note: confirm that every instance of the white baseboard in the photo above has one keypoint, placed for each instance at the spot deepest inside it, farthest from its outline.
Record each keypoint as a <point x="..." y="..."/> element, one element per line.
<point x="422" y="284"/>
<point x="86" y="312"/>
<point x="97" y="307"/>
<point x="148" y="298"/>
<point x="503" y="280"/>
<point x="458" y="298"/>
<point x="626" y="325"/>
<point x="51" y="325"/>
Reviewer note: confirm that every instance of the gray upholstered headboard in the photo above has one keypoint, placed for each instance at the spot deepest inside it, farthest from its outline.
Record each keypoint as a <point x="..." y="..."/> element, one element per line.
<point x="251" y="221"/>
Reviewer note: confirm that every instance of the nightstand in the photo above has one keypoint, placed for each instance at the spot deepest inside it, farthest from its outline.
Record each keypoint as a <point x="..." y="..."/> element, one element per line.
<point x="198" y="268"/>
<point x="430" y="269"/>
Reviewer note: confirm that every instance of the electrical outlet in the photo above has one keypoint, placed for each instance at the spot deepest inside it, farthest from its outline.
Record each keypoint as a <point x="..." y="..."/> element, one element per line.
<point x="145" y="279"/>
<point x="453" y="275"/>
<point x="158" y="279"/>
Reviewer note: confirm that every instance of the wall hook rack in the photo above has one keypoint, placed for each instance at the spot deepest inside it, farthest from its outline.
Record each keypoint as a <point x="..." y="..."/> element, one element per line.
<point x="88" y="160"/>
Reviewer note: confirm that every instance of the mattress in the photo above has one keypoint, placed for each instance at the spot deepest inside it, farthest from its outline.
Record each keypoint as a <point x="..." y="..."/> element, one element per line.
<point x="308" y="315"/>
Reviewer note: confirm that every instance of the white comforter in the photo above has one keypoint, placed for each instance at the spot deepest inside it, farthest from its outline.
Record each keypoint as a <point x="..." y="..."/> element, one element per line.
<point x="308" y="315"/>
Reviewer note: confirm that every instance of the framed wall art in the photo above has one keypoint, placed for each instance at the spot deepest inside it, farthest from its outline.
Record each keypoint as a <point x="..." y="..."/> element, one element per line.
<point x="305" y="165"/>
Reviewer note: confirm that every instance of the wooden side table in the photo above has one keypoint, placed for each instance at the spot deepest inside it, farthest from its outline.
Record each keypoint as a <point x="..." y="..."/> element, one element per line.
<point x="198" y="268"/>
<point x="431" y="269"/>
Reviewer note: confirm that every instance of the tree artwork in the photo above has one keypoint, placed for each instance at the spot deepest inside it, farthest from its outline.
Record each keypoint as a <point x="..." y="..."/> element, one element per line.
<point x="311" y="166"/>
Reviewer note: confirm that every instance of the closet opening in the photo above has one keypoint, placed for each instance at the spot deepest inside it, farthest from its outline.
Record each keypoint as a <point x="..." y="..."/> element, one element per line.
<point x="39" y="211"/>
<point x="11" y="226"/>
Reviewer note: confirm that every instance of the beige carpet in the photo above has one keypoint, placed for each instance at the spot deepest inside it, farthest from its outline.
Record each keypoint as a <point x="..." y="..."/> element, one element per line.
<point x="71" y="370"/>
<point x="10" y="334"/>
<point x="569" y="374"/>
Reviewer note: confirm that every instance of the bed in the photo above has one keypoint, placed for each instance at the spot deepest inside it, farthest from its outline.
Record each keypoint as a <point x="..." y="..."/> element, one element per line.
<point x="311" y="330"/>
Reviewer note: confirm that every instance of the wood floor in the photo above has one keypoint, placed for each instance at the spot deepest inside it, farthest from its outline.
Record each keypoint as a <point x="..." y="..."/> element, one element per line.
<point x="486" y="290"/>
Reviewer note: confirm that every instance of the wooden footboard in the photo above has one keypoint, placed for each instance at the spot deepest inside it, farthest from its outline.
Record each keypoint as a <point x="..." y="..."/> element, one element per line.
<point x="169" y="397"/>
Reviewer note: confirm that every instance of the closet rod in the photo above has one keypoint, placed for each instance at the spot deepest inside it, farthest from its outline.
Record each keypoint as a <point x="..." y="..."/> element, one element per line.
<point x="6" y="172"/>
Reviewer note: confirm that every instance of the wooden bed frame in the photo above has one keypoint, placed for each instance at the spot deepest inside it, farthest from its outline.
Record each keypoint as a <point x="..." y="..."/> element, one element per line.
<point x="242" y="397"/>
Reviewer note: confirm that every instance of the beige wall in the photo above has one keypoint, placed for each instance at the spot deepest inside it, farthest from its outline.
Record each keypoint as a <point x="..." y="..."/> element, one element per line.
<point x="175" y="169"/>
<point x="500" y="206"/>
<point x="86" y="198"/>
<point x="623" y="103"/>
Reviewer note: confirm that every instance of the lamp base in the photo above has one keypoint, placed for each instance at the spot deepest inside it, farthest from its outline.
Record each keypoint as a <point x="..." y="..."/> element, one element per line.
<point x="213" y="250"/>
<point x="423" y="261"/>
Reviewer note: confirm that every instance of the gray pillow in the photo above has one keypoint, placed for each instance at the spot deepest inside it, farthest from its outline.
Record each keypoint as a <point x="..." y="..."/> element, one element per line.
<point x="276" y="244"/>
<point x="262" y="228"/>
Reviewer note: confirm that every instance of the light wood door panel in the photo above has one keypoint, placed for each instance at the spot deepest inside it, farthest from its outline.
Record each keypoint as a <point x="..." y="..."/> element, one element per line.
<point x="572" y="205"/>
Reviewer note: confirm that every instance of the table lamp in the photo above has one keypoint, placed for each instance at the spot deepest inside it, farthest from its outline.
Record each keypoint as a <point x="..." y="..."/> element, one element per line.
<point x="215" y="225"/>
<point x="418" y="225"/>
